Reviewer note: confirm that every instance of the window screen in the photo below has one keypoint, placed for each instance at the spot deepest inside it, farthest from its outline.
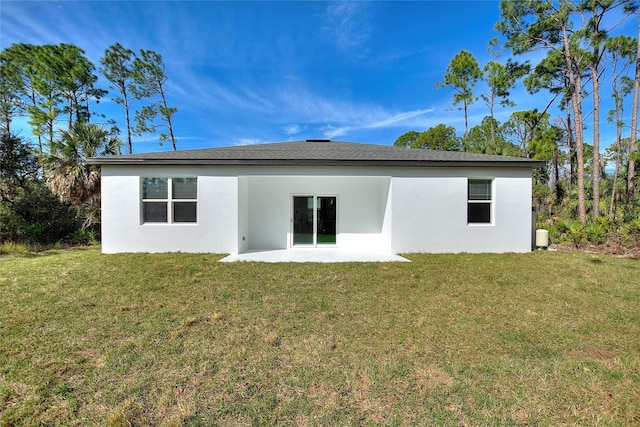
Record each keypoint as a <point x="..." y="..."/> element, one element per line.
<point x="479" y="201"/>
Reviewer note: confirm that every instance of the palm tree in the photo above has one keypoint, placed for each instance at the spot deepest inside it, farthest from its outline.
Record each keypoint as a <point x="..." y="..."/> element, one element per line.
<point x="68" y="174"/>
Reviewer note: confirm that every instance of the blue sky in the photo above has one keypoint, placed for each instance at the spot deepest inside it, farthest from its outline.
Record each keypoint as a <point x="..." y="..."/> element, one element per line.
<point x="256" y="72"/>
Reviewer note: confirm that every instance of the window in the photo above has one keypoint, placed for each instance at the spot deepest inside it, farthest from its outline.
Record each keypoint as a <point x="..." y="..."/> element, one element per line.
<point x="479" y="201"/>
<point x="169" y="200"/>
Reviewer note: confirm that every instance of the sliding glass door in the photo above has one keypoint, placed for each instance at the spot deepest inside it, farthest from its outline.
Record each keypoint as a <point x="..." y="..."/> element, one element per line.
<point x="314" y="220"/>
<point x="303" y="220"/>
<point x="325" y="220"/>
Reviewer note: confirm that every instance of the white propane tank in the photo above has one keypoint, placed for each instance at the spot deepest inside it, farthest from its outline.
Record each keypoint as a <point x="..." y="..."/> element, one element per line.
<point x="542" y="238"/>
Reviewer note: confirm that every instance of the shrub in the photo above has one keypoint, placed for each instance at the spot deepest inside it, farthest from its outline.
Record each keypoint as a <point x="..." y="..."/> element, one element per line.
<point x="595" y="233"/>
<point x="13" y="248"/>
<point x="629" y="233"/>
<point x="37" y="216"/>
<point x="82" y="237"/>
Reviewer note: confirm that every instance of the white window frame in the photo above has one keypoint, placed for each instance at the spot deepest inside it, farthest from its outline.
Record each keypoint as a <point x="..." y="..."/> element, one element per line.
<point x="490" y="202"/>
<point x="169" y="201"/>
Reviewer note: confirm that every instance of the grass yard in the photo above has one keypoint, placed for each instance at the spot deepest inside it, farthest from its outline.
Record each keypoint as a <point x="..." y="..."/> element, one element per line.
<point x="546" y="338"/>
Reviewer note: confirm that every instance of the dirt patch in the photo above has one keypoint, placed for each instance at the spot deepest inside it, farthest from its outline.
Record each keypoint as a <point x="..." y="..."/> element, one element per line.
<point x="611" y="249"/>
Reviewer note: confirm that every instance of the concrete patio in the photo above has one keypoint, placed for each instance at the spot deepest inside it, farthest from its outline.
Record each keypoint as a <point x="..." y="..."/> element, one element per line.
<point x="313" y="255"/>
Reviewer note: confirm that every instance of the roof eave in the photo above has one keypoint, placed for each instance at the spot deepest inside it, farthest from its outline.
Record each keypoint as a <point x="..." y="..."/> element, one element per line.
<point x="525" y="163"/>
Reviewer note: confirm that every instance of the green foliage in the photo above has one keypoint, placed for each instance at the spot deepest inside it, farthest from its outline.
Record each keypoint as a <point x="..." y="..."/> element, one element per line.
<point x="117" y="67"/>
<point x="36" y="215"/>
<point x="596" y="232"/>
<point x="440" y="137"/>
<point x="603" y="231"/>
<point x="82" y="237"/>
<point x="568" y="231"/>
<point x="30" y="212"/>
<point x="543" y="198"/>
<point x="488" y="138"/>
<point x="68" y="174"/>
<point x="17" y="163"/>
<point x="11" y="104"/>
<point x="53" y="84"/>
<point x="462" y="74"/>
<point x="407" y="139"/>
<point x="13" y="248"/>
<point x="532" y="132"/>
<point x="629" y="232"/>
<point x="501" y="78"/>
<point x="149" y="81"/>
<point x="46" y="81"/>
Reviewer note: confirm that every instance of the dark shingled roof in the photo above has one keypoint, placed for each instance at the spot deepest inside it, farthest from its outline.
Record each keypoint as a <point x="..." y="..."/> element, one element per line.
<point x="316" y="153"/>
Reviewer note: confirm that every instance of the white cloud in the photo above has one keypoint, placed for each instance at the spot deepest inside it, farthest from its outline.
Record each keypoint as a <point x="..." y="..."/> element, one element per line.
<point x="382" y="120"/>
<point x="247" y="141"/>
<point x="347" y="24"/>
<point x="292" y="129"/>
<point x="212" y="94"/>
<point x="397" y="118"/>
<point x="332" y="131"/>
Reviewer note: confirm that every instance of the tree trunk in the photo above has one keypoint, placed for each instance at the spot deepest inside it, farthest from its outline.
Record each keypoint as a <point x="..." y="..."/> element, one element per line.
<point x="70" y="113"/>
<point x="612" y="204"/>
<point x="572" y="150"/>
<point x="631" y="175"/>
<point x="466" y="125"/>
<point x="575" y="90"/>
<point x="596" y="140"/>
<point x="169" y="124"/>
<point x="126" y="113"/>
<point x="555" y="175"/>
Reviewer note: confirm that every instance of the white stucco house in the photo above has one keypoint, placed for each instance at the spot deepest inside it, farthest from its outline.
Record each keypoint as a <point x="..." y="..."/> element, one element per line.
<point x="315" y="194"/>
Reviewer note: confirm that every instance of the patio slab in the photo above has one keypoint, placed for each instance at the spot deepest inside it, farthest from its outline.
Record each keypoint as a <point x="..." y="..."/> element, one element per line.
<point x="313" y="255"/>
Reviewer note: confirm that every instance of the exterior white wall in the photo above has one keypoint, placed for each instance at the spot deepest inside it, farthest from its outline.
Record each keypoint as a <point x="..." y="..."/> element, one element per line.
<point x="430" y="212"/>
<point x="361" y="209"/>
<point x="243" y="214"/>
<point x="122" y="228"/>
<point x="400" y="210"/>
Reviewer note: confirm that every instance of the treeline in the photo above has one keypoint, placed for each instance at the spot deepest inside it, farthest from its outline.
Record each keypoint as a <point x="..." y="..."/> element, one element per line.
<point x="582" y="196"/>
<point x="47" y="191"/>
<point x="56" y="85"/>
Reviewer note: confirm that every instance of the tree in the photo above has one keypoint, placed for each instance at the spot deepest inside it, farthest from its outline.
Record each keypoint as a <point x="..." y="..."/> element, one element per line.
<point x="595" y="36"/>
<point x="149" y="81"/>
<point x="462" y="74"/>
<point x="529" y="25"/>
<point x="407" y="139"/>
<point x="488" y="138"/>
<point x="631" y="170"/>
<point x="440" y="137"/>
<point x="117" y="67"/>
<point x="69" y="176"/>
<point x="36" y="215"/>
<point x="28" y="210"/>
<point x="76" y="80"/>
<point x="44" y="82"/>
<point x="22" y="73"/>
<point x="11" y="104"/>
<point x="500" y="79"/>
<point x="17" y="165"/>
<point x="522" y="128"/>
<point x="46" y="69"/>
<point x="620" y="52"/>
<point x="550" y="74"/>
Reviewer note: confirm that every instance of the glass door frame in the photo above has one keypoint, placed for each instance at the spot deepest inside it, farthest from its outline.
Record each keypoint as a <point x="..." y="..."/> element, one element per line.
<point x="314" y="243"/>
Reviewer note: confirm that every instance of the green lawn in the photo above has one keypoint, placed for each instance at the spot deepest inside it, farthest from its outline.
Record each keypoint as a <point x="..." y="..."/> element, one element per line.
<point x="546" y="338"/>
